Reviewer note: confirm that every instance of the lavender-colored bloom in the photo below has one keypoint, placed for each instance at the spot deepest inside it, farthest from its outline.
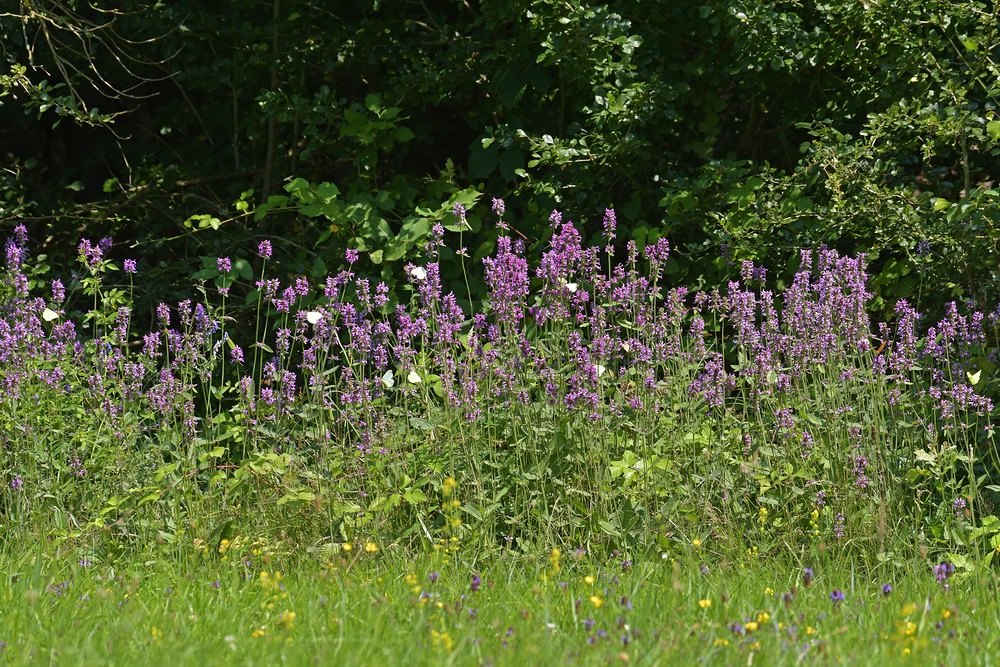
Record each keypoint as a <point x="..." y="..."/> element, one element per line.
<point x="499" y="207"/>
<point x="351" y="255"/>
<point x="476" y="581"/>
<point x="837" y="596"/>
<point x="959" y="505"/>
<point x="16" y="483"/>
<point x="942" y="571"/>
<point x="128" y="266"/>
<point x="224" y="264"/>
<point x="264" y="249"/>
<point x="807" y="576"/>
<point x="886" y="589"/>
<point x="610" y="224"/>
<point x="838" y="526"/>
<point x="433" y="576"/>
<point x="58" y="291"/>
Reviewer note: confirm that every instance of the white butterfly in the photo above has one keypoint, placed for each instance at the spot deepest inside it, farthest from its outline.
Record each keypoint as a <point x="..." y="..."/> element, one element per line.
<point x="388" y="380"/>
<point x="418" y="272"/>
<point x="48" y="315"/>
<point x="313" y="317"/>
<point x="414" y="378"/>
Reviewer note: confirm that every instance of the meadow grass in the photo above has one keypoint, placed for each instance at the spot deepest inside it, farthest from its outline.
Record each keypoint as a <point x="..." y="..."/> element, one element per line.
<point x="595" y="467"/>
<point x="373" y="607"/>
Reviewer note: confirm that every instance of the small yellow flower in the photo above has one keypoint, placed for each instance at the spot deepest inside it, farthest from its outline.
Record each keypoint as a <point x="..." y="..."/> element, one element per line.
<point x="696" y="541"/>
<point x="946" y="613"/>
<point x="347" y="546"/>
<point x="554" y="559"/>
<point x="752" y="626"/>
<point x="911" y="628"/>
<point x="224" y="546"/>
<point x="768" y="591"/>
<point x="371" y="547"/>
<point x="596" y="600"/>
<point x="260" y="632"/>
<point x="286" y="620"/>
<point x="704" y="604"/>
<point x="721" y="642"/>
<point x="589" y="579"/>
<point x="157" y="634"/>
<point x="810" y="630"/>
<point x="449" y="486"/>
<point x="906" y="651"/>
<point x="763" y="617"/>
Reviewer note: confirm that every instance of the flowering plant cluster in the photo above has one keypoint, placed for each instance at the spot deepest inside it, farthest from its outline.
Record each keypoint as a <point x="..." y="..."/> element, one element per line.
<point x="585" y="396"/>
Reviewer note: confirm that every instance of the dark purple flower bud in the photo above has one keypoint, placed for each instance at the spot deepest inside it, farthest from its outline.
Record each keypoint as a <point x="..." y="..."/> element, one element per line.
<point x="837" y="596"/>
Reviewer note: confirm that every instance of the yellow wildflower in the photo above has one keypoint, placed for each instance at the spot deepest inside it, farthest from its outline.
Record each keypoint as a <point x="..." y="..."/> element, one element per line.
<point x="696" y="541"/>
<point x="371" y="547"/>
<point x="157" y="634"/>
<point x="449" y="486"/>
<point x="752" y="626"/>
<point x="704" y="604"/>
<point x="763" y="617"/>
<point x="589" y="579"/>
<point x="596" y="600"/>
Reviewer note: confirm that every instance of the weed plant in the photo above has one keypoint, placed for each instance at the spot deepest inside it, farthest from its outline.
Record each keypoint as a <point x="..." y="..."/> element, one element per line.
<point x="588" y="405"/>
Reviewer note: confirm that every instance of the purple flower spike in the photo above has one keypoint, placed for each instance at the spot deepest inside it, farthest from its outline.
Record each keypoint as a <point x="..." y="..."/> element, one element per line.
<point x="886" y="589"/>
<point x="807" y="576"/>
<point x="352" y="255"/>
<point x="837" y="596"/>
<point x="942" y="571"/>
<point x="264" y="249"/>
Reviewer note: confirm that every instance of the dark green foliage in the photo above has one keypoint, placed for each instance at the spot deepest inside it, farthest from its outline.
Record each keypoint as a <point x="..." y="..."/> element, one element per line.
<point x="738" y="129"/>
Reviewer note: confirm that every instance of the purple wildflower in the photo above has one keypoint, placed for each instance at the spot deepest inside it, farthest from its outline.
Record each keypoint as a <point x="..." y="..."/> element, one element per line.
<point x="264" y="249"/>
<point x="224" y="264"/>
<point x="128" y="266"/>
<point x="886" y="589"/>
<point x="476" y="581"/>
<point x="942" y="571"/>
<point x="837" y="596"/>
<point x="807" y="576"/>
<point x="351" y="255"/>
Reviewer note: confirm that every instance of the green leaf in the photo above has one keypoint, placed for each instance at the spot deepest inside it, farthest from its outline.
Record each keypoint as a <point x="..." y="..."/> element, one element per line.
<point x="993" y="129"/>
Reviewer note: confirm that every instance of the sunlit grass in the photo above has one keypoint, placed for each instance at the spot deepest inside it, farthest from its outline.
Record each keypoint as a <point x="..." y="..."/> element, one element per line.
<point x="373" y="607"/>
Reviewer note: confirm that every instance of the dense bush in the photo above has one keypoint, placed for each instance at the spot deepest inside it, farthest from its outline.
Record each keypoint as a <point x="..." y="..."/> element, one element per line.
<point x="739" y="130"/>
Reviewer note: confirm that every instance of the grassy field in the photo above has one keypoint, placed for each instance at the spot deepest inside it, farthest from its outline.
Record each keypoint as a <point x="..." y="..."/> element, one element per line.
<point x="597" y="467"/>
<point x="373" y="607"/>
